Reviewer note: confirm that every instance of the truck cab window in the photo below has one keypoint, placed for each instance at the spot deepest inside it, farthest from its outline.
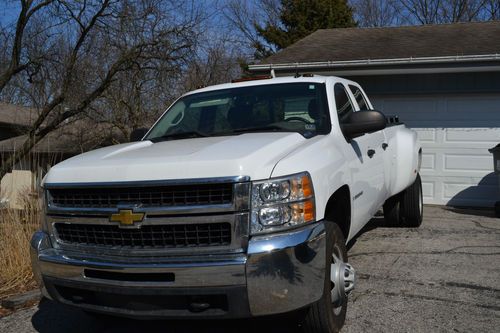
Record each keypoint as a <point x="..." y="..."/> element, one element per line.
<point x="360" y="98"/>
<point x="343" y="103"/>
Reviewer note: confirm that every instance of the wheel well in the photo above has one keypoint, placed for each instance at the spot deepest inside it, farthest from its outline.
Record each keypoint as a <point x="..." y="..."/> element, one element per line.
<point x="338" y="209"/>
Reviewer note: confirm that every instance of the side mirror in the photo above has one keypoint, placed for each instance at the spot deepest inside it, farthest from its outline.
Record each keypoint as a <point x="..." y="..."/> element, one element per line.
<point x="138" y="134"/>
<point x="362" y="122"/>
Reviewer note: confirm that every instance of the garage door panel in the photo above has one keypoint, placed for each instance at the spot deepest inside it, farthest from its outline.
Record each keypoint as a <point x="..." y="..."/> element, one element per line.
<point x="428" y="161"/>
<point x="466" y="163"/>
<point x="427" y="135"/>
<point x="456" y="133"/>
<point x="428" y="190"/>
<point x="459" y="191"/>
<point x="486" y="136"/>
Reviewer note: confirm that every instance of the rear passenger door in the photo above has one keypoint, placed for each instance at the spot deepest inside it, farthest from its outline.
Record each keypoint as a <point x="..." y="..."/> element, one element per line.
<point x="365" y="158"/>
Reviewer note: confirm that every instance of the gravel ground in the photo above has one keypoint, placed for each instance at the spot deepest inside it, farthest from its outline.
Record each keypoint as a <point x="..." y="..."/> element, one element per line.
<point x="442" y="277"/>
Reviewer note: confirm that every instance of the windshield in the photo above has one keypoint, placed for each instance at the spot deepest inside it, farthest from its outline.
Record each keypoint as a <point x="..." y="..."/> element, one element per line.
<point x="289" y="107"/>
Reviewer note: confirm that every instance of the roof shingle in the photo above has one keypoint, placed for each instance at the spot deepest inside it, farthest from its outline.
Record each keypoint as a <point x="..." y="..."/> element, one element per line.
<point x="478" y="38"/>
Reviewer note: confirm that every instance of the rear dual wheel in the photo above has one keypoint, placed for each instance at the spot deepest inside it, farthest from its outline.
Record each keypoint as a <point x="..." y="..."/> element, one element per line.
<point x="406" y="208"/>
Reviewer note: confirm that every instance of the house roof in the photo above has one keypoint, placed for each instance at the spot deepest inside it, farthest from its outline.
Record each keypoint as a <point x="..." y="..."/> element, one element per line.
<point x="73" y="138"/>
<point x="52" y="143"/>
<point x="477" y="38"/>
<point x="16" y="115"/>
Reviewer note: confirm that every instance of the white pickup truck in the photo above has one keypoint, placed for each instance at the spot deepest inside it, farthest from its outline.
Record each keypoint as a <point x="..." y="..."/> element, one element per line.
<point x="238" y="202"/>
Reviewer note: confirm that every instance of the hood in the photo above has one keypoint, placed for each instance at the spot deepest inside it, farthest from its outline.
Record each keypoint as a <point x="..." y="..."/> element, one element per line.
<point x="250" y="154"/>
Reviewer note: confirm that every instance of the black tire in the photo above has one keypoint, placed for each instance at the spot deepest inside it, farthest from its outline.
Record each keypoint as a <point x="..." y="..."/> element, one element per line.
<point x="406" y="208"/>
<point x="392" y="210"/>
<point x="412" y="207"/>
<point x="322" y="317"/>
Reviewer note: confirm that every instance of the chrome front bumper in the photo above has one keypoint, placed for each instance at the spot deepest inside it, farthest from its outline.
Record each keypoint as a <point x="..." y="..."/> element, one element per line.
<point x="278" y="273"/>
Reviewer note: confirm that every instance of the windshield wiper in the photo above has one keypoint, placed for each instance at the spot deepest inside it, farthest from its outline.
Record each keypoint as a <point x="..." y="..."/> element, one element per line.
<point x="180" y="135"/>
<point x="266" y="128"/>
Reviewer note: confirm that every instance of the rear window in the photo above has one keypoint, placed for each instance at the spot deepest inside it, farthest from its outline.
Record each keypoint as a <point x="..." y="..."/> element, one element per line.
<point x="360" y="97"/>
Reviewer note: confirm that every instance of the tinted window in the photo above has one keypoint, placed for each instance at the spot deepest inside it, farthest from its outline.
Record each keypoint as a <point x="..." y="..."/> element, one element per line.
<point x="360" y="98"/>
<point x="343" y="103"/>
<point x="289" y="107"/>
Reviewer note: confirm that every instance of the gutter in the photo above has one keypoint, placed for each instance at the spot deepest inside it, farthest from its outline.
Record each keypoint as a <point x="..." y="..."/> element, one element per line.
<point x="352" y="66"/>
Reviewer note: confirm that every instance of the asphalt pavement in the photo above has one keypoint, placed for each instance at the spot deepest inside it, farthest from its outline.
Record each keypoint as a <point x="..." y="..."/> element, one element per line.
<point x="441" y="277"/>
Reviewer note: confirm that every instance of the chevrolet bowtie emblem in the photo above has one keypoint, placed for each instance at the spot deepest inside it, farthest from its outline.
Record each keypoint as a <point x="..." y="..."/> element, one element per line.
<point x="127" y="217"/>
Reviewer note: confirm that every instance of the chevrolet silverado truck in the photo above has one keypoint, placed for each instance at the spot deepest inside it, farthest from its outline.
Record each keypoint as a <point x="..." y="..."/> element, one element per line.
<point x="238" y="202"/>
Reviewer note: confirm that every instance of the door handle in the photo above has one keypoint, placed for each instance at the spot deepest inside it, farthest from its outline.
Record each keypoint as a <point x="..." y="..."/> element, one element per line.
<point x="385" y="145"/>
<point x="370" y="153"/>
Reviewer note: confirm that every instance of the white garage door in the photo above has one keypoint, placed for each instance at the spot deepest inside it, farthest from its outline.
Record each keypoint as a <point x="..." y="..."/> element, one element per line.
<point x="456" y="132"/>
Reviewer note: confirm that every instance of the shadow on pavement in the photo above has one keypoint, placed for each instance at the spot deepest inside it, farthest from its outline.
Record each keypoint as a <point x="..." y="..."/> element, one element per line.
<point x="485" y="212"/>
<point x="376" y="222"/>
<point x="54" y="318"/>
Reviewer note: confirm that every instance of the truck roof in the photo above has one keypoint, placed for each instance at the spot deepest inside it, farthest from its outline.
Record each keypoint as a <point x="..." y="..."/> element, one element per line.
<point x="258" y="82"/>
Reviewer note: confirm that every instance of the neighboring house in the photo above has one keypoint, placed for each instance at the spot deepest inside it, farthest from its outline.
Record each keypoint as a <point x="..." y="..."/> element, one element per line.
<point x="442" y="80"/>
<point x="14" y="120"/>
<point x="71" y="139"/>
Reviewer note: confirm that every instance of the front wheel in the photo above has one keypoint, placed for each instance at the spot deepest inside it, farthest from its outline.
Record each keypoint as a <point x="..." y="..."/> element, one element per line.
<point x="328" y="314"/>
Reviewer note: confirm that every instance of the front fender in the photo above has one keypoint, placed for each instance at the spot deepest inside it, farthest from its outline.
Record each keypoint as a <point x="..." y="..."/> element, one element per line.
<point x="325" y="162"/>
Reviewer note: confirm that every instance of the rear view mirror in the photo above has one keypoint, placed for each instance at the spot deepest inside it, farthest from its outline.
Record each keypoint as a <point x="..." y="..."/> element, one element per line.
<point x="138" y="134"/>
<point x="362" y="122"/>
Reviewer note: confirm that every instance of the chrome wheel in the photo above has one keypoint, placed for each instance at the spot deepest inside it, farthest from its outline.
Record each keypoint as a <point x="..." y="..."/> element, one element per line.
<point x="342" y="280"/>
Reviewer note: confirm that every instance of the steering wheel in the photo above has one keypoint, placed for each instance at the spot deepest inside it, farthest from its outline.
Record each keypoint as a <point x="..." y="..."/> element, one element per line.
<point x="299" y="119"/>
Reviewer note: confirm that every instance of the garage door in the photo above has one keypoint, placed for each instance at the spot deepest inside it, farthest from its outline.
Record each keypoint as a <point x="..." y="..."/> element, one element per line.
<point x="456" y="132"/>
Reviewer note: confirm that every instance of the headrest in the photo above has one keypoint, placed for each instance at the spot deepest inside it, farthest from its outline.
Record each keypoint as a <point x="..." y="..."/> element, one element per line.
<point x="313" y="110"/>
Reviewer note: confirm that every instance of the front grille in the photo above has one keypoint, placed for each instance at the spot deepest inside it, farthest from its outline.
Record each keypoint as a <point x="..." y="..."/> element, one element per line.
<point x="147" y="196"/>
<point x="148" y="236"/>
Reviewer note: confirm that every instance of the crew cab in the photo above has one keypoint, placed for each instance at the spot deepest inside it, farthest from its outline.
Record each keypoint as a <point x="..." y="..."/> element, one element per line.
<point x="238" y="202"/>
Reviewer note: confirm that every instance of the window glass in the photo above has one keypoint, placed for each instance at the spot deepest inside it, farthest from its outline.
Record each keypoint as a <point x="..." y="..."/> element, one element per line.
<point x="360" y="97"/>
<point x="289" y="107"/>
<point x="343" y="103"/>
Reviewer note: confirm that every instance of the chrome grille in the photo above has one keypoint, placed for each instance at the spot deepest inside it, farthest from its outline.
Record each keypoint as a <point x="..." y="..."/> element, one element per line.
<point x="147" y="196"/>
<point x="148" y="236"/>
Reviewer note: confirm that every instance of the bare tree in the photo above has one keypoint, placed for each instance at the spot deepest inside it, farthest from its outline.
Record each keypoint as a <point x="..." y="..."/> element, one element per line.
<point x="218" y="64"/>
<point x="93" y="43"/>
<point x="16" y="63"/>
<point x="491" y="10"/>
<point x="244" y="16"/>
<point x="447" y="11"/>
<point x="376" y="13"/>
<point x="460" y="10"/>
<point x="421" y="11"/>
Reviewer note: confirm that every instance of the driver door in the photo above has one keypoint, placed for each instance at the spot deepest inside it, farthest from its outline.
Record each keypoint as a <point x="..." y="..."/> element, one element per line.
<point x="364" y="155"/>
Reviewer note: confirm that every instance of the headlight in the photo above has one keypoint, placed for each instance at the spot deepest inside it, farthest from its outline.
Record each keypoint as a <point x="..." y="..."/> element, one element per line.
<point x="282" y="202"/>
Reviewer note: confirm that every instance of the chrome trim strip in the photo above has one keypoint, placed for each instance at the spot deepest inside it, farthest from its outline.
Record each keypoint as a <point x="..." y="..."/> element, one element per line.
<point x="172" y="210"/>
<point x="239" y="202"/>
<point x="239" y="235"/>
<point x="163" y="182"/>
<point x="226" y="270"/>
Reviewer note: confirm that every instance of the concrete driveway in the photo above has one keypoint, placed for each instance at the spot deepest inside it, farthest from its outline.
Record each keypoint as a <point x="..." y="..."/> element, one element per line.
<point x="442" y="277"/>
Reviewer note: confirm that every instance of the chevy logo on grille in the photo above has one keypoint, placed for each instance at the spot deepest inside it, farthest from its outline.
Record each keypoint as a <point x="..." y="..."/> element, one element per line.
<point x="126" y="217"/>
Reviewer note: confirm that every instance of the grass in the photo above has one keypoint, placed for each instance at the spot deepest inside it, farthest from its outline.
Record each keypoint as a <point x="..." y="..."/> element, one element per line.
<point x="16" y="228"/>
